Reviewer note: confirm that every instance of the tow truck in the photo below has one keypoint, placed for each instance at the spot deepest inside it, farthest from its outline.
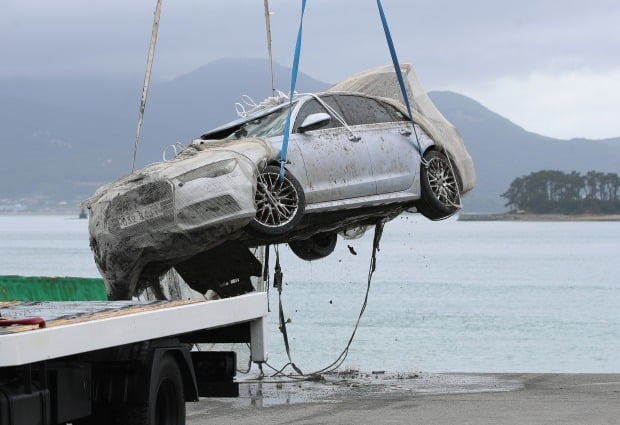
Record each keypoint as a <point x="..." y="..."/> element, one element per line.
<point x="121" y="362"/>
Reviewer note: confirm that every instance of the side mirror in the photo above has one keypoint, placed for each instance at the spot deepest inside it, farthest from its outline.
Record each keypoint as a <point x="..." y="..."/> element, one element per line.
<point x="314" y="122"/>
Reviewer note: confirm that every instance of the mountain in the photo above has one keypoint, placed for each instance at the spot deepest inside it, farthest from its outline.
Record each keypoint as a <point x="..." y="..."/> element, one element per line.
<point x="62" y="138"/>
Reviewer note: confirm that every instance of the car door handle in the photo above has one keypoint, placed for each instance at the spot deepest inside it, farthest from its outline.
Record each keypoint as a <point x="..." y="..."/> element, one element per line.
<point x="405" y="131"/>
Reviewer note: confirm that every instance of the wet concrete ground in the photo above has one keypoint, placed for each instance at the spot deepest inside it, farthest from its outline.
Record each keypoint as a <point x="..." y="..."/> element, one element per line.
<point x="419" y="399"/>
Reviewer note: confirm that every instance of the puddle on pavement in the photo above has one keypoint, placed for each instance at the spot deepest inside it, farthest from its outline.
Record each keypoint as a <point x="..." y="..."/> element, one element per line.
<point x="333" y="388"/>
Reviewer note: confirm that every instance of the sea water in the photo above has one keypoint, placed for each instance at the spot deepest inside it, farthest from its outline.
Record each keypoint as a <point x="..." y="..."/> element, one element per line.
<point x="447" y="296"/>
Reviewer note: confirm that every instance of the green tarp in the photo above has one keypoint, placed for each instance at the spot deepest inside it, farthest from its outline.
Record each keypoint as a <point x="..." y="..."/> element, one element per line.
<point x="22" y="288"/>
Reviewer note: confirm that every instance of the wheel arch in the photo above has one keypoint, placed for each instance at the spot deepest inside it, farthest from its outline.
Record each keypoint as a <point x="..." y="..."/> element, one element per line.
<point x="183" y="359"/>
<point x="442" y="150"/>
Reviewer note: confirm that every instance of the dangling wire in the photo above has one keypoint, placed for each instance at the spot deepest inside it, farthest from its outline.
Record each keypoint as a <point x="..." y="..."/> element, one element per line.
<point x="277" y="283"/>
<point x="343" y="355"/>
<point x="268" y="28"/>
<point x="147" y="79"/>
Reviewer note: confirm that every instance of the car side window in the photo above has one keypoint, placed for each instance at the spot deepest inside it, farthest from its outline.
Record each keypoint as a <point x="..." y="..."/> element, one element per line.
<point x="361" y="110"/>
<point x="395" y="114"/>
<point x="312" y="106"/>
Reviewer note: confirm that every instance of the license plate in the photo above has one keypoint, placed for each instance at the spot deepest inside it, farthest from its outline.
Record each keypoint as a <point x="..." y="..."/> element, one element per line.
<point x="140" y="215"/>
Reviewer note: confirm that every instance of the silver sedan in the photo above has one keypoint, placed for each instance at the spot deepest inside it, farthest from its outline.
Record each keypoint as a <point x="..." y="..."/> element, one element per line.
<point x="347" y="153"/>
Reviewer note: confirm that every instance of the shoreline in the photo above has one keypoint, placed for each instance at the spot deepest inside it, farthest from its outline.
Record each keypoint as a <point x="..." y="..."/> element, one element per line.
<point x="537" y="217"/>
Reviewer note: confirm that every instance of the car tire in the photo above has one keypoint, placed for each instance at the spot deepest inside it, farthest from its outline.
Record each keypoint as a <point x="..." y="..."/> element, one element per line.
<point x="440" y="186"/>
<point x="280" y="203"/>
<point x="316" y="247"/>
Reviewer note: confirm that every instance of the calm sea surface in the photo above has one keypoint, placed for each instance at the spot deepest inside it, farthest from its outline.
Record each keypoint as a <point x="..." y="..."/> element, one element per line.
<point x="446" y="296"/>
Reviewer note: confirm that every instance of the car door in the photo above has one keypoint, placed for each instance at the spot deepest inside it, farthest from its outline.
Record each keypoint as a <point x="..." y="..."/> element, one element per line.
<point x="387" y="134"/>
<point x="337" y="165"/>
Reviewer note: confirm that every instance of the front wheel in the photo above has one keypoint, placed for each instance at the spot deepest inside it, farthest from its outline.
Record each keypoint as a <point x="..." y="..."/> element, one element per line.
<point x="280" y="202"/>
<point x="440" y="187"/>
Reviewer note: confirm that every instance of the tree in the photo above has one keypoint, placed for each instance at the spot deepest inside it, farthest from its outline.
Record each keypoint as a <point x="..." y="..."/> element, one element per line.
<point x="550" y="191"/>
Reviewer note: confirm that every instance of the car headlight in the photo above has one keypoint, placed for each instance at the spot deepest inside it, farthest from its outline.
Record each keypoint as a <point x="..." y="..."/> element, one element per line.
<point x="212" y="170"/>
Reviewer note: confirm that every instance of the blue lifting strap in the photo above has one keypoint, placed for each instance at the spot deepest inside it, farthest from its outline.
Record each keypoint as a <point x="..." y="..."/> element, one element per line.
<point x="287" y="127"/>
<point x="399" y="73"/>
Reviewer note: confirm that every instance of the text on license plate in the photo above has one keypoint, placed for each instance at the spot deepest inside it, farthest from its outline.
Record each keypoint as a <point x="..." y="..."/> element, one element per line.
<point x="140" y="215"/>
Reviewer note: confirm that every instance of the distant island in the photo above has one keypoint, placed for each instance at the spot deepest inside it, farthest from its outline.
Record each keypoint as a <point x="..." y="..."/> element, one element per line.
<point x="552" y="195"/>
<point x="556" y="192"/>
<point x="523" y="216"/>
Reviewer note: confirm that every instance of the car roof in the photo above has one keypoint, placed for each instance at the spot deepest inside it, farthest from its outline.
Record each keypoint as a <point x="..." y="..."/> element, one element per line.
<point x="261" y="112"/>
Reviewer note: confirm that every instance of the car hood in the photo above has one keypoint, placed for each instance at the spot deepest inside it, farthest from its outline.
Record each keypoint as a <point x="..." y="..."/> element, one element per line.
<point x="382" y="82"/>
<point x="254" y="151"/>
<point x="123" y="254"/>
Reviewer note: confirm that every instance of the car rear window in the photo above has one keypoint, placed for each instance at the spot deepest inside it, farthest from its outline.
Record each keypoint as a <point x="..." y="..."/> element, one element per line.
<point x="363" y="110"/>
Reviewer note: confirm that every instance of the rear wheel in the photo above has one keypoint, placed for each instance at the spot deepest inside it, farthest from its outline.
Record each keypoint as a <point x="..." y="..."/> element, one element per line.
<point x="316" y="247"/>
<point x="280" y="202"/>
<point x="440" y="187"/>
<point x="166" y="398"/>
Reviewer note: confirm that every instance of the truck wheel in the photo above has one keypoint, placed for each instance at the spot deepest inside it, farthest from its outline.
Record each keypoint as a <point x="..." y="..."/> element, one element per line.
<point x="95" y="419"/>
<point x="166" y="398"/>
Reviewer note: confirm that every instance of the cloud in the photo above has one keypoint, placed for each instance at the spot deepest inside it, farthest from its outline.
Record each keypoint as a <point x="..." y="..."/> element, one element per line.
<point x="448" y="40"/>
<point x="540" y="46"/>
<point x="564" y="105"/>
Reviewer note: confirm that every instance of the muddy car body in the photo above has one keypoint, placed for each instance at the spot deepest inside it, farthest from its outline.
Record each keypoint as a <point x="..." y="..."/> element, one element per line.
<point x="354" y="158"/>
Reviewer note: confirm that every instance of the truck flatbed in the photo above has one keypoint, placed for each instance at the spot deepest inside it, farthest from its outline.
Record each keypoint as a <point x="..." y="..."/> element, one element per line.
<point x="78" y="327"/>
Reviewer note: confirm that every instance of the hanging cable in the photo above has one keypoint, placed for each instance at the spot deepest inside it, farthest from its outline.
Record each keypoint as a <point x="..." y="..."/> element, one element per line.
<point x="277" y="283"/>
<point x="371" y="270"/>
<point x="294" y="72"/>
<point x="268" y="29"/>
<point x="147" y="79"/>
<point x="343" y="355"/>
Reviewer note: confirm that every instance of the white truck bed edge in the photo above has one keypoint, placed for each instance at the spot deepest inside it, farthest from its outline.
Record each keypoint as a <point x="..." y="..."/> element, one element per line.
<point x="73" y="338"/>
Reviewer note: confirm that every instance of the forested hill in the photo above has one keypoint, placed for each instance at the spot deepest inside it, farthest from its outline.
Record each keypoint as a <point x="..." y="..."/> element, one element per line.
<point x="503" y="151"/>
<point x="555" y="192"/>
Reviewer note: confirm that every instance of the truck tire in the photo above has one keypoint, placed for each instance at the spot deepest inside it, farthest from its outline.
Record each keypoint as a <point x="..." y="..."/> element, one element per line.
<point x="95" y="419"/>
<point x="166" y="398"/>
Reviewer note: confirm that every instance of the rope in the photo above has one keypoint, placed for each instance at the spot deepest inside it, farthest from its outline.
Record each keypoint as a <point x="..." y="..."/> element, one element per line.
<point x="147" y="79"/>
<point x="246" y="101"/>
<point x="343" y="355"/>
<point x="371" y="270"/>
<point x="177" y="147"/>
<point x="277" y="282"/>
<point x="294" y="73"/>
<point x="399" y="73"/>
<point x="268" y="29"/>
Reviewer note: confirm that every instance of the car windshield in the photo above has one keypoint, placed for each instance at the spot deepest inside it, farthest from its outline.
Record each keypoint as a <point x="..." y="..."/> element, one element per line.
<point x="267" y="126"/>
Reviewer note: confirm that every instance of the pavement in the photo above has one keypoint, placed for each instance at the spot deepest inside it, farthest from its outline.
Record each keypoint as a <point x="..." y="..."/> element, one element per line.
<point x="377" y="398"/>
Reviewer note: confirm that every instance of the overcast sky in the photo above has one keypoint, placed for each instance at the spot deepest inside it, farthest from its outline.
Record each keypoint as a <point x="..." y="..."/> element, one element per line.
<point x="550" y="66"/>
